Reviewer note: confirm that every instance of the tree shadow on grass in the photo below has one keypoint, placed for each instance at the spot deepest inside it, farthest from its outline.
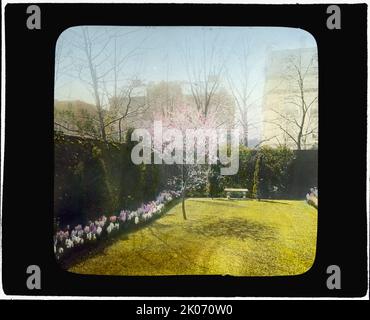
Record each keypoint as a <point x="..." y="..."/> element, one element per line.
<point x="222" y="202"/>
<point x="234" y="201"/>
<point x="235" y="228"/>
<point x="274" y="201"/>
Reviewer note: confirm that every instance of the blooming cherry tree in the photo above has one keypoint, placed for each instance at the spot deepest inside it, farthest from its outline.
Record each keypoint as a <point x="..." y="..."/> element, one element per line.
<point x="194" y="154"/>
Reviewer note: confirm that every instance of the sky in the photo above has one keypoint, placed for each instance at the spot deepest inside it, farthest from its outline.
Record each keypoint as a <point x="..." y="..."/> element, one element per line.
<point x="163" y="53"/>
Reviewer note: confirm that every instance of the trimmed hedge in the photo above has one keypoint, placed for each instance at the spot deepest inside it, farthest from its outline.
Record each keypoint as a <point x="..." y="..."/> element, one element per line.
<point x="279" y="173"/>
<point x="93" y="179"/>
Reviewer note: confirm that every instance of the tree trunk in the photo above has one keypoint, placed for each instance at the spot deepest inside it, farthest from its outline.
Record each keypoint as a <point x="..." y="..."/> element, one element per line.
<point x="102" y="126"/>
<point x="95" y="84"/>
<point x="183" y="206"/>
<point x="299" y="142"/>
<point x="245" y="136"/>
<point x="120" y="130"/>
<point x="183" y="194"/>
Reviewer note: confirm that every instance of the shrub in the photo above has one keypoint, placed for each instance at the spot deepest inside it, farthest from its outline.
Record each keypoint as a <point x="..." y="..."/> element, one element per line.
<point x="256" y="178"/>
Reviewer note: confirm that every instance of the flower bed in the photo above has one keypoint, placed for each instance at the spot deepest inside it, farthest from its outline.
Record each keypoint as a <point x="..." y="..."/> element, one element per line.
<point x="312" y="197"/>
<point x="68" y="240"/>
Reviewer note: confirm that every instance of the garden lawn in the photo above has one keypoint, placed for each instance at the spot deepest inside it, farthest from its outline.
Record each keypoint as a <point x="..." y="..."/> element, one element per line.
<point x="222" y="237"/>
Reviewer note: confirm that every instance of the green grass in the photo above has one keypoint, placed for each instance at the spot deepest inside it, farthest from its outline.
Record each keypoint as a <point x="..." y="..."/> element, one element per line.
<point x="233" y="237"/>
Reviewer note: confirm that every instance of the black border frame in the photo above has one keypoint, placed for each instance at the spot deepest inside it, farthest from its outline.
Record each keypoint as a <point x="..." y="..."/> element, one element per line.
<point x="28" y="165"/>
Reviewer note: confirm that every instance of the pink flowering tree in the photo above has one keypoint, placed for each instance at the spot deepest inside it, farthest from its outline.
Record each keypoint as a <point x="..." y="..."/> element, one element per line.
<point x="187" y="139"/>
<point x="194" y="170"/>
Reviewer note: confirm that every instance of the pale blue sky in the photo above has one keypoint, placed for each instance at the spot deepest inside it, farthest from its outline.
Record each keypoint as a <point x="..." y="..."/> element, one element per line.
<point x="160" y="54"/>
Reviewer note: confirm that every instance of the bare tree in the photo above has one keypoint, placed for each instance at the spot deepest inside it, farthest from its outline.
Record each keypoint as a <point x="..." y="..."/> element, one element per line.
<point x="125" y="107"/>
<point x="98" y="59"/>
<point x="204" y="75"/>
<point x="242" y="89"/>
<point x="298" y="120"/>
<point x="94" y="75"/>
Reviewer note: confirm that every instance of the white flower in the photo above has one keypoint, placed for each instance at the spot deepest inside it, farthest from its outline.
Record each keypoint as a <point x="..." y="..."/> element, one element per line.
<point x="76" y="240"/>
<point x="136" y="220"/>
<point x="116" y="225"/>
<point x="131" y="215"/>
<point x="100" y="223"/>
<point x="60" y="250"/>
<point x="89" y="236"/>
<point x="160" y="207"/>
<point x="69" y="243"/>
<point x="99" y="230"/>
<point x="110" y="227"/>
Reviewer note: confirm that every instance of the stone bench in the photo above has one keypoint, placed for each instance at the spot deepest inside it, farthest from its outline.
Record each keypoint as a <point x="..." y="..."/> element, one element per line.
<point x="230" y="190"/>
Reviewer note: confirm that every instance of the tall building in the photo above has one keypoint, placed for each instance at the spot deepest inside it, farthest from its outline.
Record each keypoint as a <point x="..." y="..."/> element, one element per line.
<point x="290" y="106"/>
